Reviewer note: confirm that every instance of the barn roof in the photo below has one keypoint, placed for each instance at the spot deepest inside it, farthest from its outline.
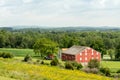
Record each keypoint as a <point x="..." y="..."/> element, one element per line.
<point x="74" y="50"/>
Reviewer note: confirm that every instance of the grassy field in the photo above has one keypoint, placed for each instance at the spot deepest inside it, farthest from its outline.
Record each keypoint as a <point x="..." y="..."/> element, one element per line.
<point x="113" y="65"/>
<point x="14" y="68"/>
<point x="18" y="52"/>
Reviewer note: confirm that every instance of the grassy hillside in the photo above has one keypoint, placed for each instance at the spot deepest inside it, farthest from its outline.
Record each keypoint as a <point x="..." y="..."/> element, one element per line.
<point x="19" y="70"/>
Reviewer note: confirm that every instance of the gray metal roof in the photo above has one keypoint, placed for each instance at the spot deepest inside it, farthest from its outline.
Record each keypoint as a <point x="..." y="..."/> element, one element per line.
<point x="74" y="50"/>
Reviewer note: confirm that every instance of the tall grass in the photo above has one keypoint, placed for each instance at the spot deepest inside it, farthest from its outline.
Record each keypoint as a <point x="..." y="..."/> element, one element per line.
<point x="23" y="71"/>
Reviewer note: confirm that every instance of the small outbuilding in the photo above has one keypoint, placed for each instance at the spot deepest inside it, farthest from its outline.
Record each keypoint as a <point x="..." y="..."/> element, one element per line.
<point x="80" y="54"/>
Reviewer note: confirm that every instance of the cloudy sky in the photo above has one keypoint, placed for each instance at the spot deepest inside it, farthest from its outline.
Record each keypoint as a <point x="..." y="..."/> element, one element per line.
<point x="60" y="12"/>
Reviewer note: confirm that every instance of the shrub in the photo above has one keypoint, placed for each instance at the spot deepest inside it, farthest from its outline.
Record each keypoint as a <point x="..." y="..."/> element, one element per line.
<point x="94" y="70"/>
<point x="94" y="63"/>
<point x="75" y="64"/>
<point x="79" y="66"/>
<point x="68" y="65"/>
<point x="105" y="71"/>
<point x="86" y="70"/>
<point x="54" y="62"/>
<point x="91" y="70"/>
<point x="118" y="71"/>
<point x="42" y="62"/>
<point x="6" y="55"/>
<point x="27" y="58"/>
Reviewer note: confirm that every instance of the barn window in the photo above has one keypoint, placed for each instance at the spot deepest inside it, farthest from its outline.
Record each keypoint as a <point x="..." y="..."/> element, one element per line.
<point x="80" y="59"/>
<point x="97" y="53"/>
<point x="86" y="58"/>
<point x="80" y="53"/>
<point x="85" y="53"/>
<point x="92" y="52"/>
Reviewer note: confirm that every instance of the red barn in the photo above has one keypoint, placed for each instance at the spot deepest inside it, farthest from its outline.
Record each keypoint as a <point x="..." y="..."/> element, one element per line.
<point x="80" y="54"/>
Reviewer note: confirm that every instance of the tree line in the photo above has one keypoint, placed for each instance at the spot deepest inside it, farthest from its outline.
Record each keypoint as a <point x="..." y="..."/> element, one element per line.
<point x="107" y="42"/>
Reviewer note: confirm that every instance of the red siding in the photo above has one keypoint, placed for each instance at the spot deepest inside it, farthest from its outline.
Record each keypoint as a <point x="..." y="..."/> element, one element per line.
<point x="87" y="54"/>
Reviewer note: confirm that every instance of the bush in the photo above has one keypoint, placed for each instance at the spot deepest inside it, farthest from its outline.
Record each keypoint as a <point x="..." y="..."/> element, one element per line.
<point x="27" y="58"/>
<point x="86" y="70"/>
<point x="75" y="64"/>
<point x="68" y="65"/>
<point x="91" y="70"/>
<point x="79" y="66"/>
<point x="94" y="70"/>
<point x="42" y="62"/>
<point x="118" y="71"/>
<point x="6" y="55"/>
<point x="54" y="62"/>
<point x="105" y="71"/>
<point x="94" y="63"/>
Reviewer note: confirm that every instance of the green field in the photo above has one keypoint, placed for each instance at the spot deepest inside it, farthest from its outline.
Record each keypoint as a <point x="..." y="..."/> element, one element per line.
<point x="18" y="52"/>
<point x="113" y="65"/>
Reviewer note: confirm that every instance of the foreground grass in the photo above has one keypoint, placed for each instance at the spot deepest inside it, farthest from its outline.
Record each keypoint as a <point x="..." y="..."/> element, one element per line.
<point x="22" y="71"/>
<point x="5" y="78"/>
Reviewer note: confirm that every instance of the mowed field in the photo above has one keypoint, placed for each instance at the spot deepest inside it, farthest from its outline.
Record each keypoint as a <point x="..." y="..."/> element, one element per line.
<point x="113" y="65"/>
<point x="18" y="52"/>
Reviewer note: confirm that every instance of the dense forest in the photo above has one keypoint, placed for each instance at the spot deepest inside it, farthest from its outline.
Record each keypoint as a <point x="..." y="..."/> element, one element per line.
<point x="107" y="42"/>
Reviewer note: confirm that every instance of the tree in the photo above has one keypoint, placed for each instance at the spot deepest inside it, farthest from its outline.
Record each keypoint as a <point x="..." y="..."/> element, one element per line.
<point x="2" y="40"/>
<point x="117" y="55"/>
<point x="45" y="47"/>
<point x="94" y="63"/>
<point x="111" y="53"/>
<point x="99" y="46"/>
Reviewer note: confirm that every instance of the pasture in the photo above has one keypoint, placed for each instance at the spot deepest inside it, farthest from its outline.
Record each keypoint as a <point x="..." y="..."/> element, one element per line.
<point x="18" y="52"/>
<point x="113" y="65"/>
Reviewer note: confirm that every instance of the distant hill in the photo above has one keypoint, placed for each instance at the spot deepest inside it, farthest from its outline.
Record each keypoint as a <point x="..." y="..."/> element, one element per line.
<point x="57" y="29"/>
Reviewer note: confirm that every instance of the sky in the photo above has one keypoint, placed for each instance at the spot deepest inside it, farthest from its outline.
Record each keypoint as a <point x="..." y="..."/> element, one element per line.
<point x="60" y="13"/>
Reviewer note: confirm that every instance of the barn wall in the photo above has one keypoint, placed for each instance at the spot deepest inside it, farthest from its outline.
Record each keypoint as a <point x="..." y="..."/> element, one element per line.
<point x="88" y="54"/>
<point x="68" y="57"/>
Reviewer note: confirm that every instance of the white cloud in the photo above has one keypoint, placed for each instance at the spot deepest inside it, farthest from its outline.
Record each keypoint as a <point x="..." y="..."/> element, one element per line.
<point x="27" y="1"/>
<point x="60" y="12"/>
<point x="2" y="2"/>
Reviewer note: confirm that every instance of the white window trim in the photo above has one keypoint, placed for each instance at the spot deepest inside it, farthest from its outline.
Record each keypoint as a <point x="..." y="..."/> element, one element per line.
<point x="86" y="58"/>
<point x="80" y="59"/>
<point x="92" y="52"/>
<point x="97" y="53"/>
